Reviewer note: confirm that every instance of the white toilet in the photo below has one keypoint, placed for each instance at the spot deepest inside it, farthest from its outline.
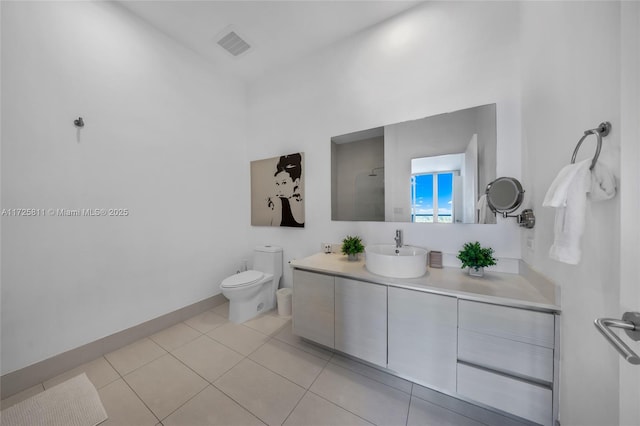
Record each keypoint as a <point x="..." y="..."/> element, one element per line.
<point x="254" y="291"/>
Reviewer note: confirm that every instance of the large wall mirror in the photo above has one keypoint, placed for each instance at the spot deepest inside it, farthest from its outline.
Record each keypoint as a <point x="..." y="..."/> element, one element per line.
<point x="431" y="170"/>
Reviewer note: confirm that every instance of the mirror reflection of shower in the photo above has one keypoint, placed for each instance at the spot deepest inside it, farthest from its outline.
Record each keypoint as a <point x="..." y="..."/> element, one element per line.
<point x="369" y="195"/>
<point x="358" y="176"/>
<point x="373" y="171"/>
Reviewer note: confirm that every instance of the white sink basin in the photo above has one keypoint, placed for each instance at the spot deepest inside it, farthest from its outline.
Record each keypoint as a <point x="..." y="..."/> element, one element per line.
<point x="389" y="261"/>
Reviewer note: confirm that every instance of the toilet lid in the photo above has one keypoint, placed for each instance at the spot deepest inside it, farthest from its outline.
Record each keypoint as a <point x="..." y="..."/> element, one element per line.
<point x="242" y="279"/>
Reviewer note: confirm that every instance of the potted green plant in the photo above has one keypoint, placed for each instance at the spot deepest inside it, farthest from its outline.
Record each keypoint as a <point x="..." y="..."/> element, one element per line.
<point x="351" y="246"/>
<point x="476" y="257"/>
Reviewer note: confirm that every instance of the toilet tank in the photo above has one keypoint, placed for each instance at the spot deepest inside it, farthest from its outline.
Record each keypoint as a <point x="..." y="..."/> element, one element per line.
<point x="268" y="259"/>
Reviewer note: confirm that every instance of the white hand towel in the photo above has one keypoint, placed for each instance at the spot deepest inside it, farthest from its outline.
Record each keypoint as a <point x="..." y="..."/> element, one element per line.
<point x="568" y="194"/>
<point x="558" y="191"/>
<point x="482" y="207"/>
<point x="603" y="183"/>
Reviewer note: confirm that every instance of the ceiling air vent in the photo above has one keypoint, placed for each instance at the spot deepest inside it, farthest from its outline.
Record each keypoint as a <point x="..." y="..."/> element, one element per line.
<point x="233" y="43"/>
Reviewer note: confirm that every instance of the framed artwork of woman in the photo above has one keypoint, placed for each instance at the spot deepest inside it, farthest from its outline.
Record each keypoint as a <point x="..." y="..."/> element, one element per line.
<point x="277" y="191"/>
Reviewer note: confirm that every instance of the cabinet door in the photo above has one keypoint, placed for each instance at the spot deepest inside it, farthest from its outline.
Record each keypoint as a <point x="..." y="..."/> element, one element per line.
<point x="423" y="337"/>
<point x="361" y="320"/>
<point x="313" y="306"/>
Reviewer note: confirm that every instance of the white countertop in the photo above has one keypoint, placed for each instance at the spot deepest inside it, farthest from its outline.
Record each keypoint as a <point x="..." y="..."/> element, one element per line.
<point x="495" y="287"/>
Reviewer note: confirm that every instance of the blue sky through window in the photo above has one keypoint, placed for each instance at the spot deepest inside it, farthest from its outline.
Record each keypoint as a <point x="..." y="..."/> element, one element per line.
<point x="445" y="190"/>
<point x="424" y="195"/>
<point x="423" y="203"/>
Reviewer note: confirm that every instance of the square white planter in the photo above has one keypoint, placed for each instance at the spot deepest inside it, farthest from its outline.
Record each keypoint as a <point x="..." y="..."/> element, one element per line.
<point x="476" y="272"/>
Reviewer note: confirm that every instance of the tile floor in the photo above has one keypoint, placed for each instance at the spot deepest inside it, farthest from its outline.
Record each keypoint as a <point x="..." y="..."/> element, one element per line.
<point x="208" y="371"/>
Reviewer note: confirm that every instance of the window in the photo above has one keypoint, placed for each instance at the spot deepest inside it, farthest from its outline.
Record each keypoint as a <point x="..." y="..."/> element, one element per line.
<point x="432" y="197"/>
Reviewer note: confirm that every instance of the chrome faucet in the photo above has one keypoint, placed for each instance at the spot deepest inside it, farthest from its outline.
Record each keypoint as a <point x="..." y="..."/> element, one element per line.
<point x="398" y="238"/>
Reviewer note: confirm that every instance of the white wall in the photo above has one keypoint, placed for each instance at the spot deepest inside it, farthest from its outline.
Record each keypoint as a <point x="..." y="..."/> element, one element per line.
<point x="441" y="56"/>
<point x="163" y="138"/>
<point x="571" y="82"/>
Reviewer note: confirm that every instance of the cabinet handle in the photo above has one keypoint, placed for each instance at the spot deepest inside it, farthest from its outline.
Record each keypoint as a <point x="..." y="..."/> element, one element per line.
<point x="631" y="324"/>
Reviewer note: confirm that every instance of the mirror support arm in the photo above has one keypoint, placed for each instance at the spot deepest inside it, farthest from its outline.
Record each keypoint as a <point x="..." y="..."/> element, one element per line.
<point x="525" y="219"/>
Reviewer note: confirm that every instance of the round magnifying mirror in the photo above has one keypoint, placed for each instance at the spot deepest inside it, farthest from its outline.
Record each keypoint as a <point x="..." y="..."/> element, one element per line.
<point x="504" y="195"/>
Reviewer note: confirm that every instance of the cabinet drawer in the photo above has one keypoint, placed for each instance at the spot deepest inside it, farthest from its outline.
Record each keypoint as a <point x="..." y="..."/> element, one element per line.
<point x="313" y="307"/>
<point x="523" y="399"/>
<point x="518" y="358"/>
<point x="521" y="325"/>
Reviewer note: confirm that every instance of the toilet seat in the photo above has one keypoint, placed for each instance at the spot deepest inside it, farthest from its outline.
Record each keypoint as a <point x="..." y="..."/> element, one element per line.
<point x="242" y="279"/>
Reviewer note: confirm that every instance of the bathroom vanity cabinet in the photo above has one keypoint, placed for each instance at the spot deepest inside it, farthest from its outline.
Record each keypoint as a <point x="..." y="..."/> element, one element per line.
<point x="480" y="349"/>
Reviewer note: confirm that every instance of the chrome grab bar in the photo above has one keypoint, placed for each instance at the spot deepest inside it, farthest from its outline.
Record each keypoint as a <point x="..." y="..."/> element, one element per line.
<point x="631" y="324"/>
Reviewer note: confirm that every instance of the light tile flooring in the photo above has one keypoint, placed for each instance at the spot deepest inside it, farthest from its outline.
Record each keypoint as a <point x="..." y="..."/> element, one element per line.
<point x="208" y="371"/>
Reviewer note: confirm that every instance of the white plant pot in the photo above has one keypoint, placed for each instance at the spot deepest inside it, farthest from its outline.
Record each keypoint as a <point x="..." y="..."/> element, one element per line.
<point x="479" y="272"/>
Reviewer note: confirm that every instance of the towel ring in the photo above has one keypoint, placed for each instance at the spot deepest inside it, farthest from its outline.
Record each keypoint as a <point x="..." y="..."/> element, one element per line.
<point x="603" y="130"/>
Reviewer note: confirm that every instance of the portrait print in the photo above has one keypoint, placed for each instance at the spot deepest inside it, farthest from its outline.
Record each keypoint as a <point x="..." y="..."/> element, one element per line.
<point x="277" y="191"/>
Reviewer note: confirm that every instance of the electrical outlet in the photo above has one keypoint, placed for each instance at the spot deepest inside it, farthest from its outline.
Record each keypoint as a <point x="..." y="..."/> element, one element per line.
<point x="531" y="243"/>
<point x="326" y="247"/>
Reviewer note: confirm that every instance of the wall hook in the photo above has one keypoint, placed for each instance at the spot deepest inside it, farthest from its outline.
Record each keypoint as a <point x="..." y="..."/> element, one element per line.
<point x="79" y="122"/>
